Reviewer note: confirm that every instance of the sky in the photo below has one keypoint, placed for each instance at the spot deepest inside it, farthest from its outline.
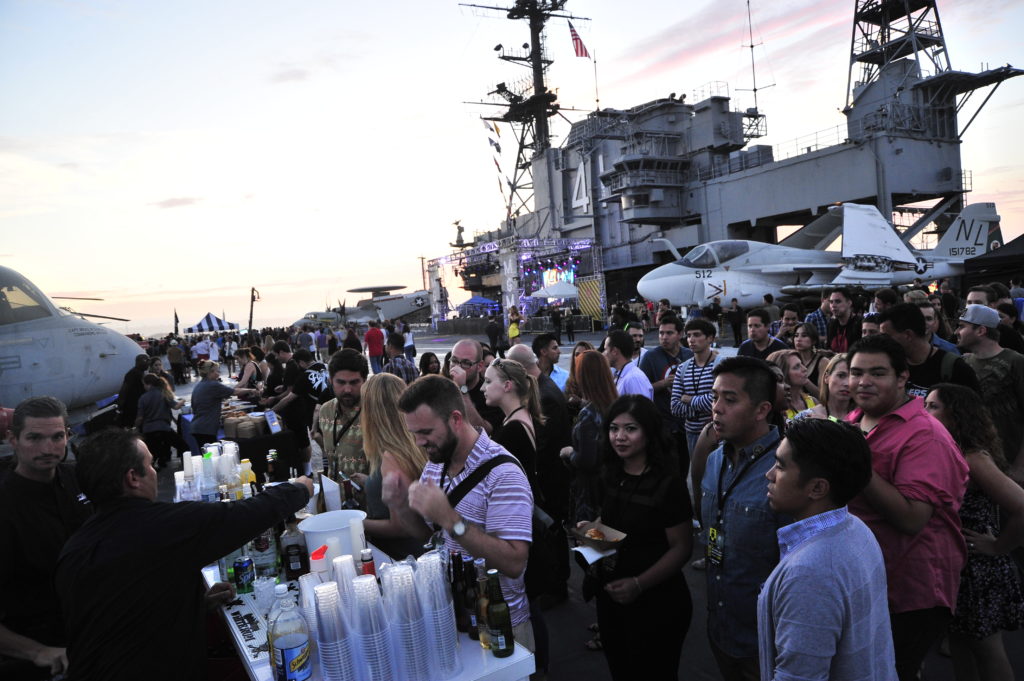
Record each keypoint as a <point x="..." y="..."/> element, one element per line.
<point x="171" y="155"/>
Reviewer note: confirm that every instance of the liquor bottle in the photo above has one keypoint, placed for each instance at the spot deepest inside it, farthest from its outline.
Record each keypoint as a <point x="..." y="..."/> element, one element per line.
<point x="499" y="619"/>
<point x="291" y="647"/>
<point x="321" y="500"/>
<point x="271" y="463"/>
<point x="294" y="554"/>
<point x="469" y="596"/>
<point x="483" y="631"/>
<point x="350" y="499"/>
<point x="458" y="593"/>
<point x="263" y="550"/>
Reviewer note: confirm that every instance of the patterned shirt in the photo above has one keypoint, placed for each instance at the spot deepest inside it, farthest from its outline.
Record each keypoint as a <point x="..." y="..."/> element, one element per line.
<point x="403" y="368"/>
<point x="820" y="322"/>
<point x="347" y="456"/>
<point x="501" y="505"/>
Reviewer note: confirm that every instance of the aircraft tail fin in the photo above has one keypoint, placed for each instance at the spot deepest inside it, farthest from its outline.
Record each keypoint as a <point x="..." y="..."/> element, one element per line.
<point x="974" y="231"/>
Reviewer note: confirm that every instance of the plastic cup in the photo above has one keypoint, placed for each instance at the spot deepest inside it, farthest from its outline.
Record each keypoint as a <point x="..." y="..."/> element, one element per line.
<point x="263" y="593"/>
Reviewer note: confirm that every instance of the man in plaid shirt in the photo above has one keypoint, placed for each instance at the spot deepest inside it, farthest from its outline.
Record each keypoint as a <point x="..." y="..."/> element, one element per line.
<point x="820" y="317"/>
<point x="398" y="364"/>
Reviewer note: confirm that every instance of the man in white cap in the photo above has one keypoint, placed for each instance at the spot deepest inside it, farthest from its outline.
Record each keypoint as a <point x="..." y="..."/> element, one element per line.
<point x="1001" y="374"/>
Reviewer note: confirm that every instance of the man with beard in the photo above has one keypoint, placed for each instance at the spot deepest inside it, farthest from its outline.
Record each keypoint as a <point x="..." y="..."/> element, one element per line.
<point x="492" y="519"/>
<point x="337" y="427"/>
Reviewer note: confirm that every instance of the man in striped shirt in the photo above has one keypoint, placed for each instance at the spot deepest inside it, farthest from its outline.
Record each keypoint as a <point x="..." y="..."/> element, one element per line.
<point x="691" y="390"/>
<point x="493" y="520"/>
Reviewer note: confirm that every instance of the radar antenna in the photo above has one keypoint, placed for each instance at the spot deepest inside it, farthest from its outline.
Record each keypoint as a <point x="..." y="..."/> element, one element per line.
<point x="529" y="102"/>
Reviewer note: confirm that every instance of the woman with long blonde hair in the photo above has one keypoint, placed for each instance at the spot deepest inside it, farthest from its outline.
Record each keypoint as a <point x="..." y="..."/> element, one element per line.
<point x="390" y="450"/>
<point x="834" y="387"/>
<point x="508" y="387"/>
<point x="794" y="377"/>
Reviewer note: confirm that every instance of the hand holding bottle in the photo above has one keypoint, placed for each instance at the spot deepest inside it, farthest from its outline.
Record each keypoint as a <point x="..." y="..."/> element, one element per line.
<point x="305" y="482"/>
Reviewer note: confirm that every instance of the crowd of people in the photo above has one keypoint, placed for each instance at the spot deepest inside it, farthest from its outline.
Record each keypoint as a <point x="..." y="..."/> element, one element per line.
<point x="851" y="478"/>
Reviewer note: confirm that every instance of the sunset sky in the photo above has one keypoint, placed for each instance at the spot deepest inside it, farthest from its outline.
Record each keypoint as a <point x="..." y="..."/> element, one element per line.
<point x="171" y="155"/>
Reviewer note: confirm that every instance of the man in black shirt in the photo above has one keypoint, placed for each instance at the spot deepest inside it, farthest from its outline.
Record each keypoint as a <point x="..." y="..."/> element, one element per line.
<point x="130" y="582"/>
<point x="844" y="327"/>
<point x="131" y="390"/>
<point x="307" y="385"/>
<point x="40" y="507"/>
<point x="760" y="344"/>
<point x="929" y="365"/>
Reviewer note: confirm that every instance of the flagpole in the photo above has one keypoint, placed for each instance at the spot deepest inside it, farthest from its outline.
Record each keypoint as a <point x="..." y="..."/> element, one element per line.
<point x="597" y="97"/>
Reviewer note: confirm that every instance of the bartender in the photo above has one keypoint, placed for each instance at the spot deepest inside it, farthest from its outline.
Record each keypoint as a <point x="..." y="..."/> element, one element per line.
<point x="130" y="583"/>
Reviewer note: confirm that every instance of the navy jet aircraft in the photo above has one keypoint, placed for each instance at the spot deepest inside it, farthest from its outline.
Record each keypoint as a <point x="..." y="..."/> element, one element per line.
<point x="49" y="350"/>
<point x="380" y="305"/>
<point x="872" y="256"/>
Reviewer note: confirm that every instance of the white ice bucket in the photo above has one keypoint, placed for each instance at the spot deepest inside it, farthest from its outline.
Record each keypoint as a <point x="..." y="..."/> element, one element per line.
<point x="333" y="528"/>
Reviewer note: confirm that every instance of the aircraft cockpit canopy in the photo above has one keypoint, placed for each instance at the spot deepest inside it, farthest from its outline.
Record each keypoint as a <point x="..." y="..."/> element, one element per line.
<point x="713" y="254"/>
<point x="20" y="301"/>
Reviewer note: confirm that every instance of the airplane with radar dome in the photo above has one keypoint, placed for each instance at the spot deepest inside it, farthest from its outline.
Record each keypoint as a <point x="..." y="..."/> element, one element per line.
<point x="381" y="305"/>
<point x="46" y="349"/>
<point x="872" y="255"/>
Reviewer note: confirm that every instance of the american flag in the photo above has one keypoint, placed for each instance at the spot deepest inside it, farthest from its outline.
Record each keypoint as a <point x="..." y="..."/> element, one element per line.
<point x="577" y="43"/>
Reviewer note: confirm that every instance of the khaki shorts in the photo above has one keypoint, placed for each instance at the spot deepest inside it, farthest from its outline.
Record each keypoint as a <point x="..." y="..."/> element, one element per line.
<point x="523" y="634"/>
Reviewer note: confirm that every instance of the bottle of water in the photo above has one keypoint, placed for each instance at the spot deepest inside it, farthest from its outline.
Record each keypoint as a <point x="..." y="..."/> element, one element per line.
<point x="291" y="648"/>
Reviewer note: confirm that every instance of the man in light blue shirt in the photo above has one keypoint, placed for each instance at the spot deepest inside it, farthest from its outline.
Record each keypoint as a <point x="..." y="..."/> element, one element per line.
<point x="823" y="612"/>
<point x="629" y="380"/>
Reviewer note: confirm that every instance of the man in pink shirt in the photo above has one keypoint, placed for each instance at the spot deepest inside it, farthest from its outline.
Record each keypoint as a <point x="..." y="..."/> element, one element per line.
<point x="912" y="501"/>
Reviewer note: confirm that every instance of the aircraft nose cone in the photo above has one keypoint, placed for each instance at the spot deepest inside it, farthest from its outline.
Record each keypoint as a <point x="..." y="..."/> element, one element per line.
<point x="669" y="281"/>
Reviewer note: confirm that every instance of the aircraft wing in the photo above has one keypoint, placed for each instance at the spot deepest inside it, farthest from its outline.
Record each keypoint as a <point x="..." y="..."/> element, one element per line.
<point x="818" y="234"/>
<point x="867" y="233"/>
<point x="789" y="268"/>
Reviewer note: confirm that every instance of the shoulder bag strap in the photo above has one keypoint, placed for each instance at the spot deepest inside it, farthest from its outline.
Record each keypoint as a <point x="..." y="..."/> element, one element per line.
<point x="478" y="474"/>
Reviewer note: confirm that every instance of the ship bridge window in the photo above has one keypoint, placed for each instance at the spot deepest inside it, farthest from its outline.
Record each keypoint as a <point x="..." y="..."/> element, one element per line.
<point x="21" y="302"/>
<point x="701" y="257"/>
<point x="727" y="250"/>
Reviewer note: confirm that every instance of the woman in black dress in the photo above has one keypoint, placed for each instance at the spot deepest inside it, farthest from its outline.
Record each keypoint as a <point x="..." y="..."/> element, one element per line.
<point x="515" y="392"/>
<point x="643" y="602"/>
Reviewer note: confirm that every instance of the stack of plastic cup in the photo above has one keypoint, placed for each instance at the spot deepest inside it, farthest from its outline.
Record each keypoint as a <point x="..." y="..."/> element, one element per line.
<point x="307" y="601"/>
<point x="408" y="627"/>
<point x="372" y="629"/>
<point x="344" y="571"/>
<point x="334" y="643"/>
<point x="438" y="614"/>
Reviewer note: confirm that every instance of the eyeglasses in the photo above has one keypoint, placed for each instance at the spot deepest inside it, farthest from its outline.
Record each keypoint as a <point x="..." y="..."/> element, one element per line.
<point x="464" y="363"/>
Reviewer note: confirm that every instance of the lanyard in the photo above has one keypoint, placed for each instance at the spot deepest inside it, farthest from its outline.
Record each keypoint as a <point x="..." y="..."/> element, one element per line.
<point x="336" y="436"/>
<point x="735" y="481"/>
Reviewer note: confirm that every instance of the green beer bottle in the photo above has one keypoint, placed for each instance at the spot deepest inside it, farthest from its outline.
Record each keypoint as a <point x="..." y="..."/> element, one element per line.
<point x="499" y="619"/>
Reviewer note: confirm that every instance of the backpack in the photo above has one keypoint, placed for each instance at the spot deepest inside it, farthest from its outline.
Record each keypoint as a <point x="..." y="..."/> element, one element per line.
<point x="542" y="562"/>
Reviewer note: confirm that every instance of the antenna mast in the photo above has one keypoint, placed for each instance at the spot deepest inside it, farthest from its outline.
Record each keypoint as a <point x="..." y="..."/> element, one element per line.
<point x="755" y="124"/>
<point x="529" y="102"/>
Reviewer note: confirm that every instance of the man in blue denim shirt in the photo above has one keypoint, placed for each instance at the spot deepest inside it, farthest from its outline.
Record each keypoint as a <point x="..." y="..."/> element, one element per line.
<point x="739" y="536"/>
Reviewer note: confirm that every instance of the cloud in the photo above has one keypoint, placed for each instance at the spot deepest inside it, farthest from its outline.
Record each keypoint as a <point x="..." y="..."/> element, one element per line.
<point x="289" y="75"/>
<point x="177" y="202"/>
